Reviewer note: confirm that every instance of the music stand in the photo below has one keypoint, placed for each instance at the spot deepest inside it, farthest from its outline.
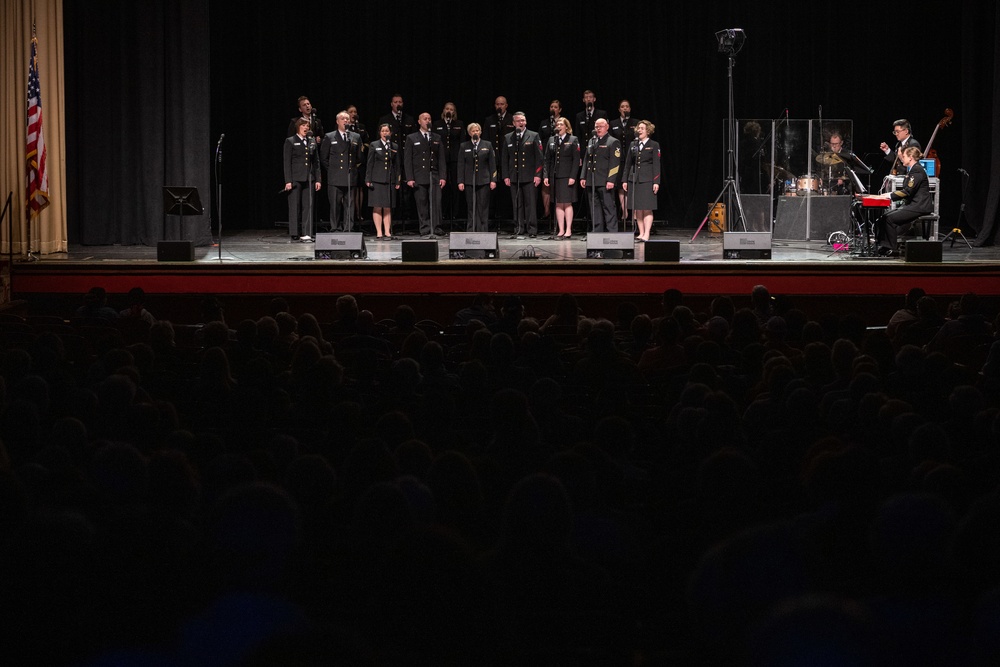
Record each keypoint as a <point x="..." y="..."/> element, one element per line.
<point x="179" y="200"/>
<point x="856" y="163"/>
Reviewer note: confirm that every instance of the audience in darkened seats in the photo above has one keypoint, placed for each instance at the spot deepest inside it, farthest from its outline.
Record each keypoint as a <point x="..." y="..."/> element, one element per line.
<point x="737" y="493"/>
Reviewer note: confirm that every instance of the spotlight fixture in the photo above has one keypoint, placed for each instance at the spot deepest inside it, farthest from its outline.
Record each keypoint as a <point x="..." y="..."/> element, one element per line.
<point x="730" y="40"/>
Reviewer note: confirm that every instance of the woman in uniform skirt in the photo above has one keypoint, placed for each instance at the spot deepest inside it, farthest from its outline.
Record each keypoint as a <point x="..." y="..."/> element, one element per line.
<point x="641" y="181"/>
<point x="382" y="179"/>
<point x="562" y="165"/>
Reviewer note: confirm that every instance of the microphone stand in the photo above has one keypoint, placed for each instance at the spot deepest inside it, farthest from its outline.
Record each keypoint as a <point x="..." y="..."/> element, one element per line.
<point x="218" y="189"/>
<point x="957" y="229"/>
<point x="349" y="217"/>
<point x="475" y="188"/>
<point x="310" y="147"/>
<point x="516" y="185"/>
<point x="592" y="166"/>
<point x="430" y="186"/>
<point x="556" y="157"/>
<point x="635" y="180"/>
<point x="552" y="181"/>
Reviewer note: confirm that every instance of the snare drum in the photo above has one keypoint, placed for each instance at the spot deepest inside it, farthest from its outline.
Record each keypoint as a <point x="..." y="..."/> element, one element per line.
<point x="808" y="184"/>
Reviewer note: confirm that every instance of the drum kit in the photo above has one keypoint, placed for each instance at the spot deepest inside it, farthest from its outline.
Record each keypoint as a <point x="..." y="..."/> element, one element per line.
<point x="811" y="184"/>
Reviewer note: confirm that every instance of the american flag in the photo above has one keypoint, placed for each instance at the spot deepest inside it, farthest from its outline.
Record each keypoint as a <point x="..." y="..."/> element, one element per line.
<point x="38" y="180"/>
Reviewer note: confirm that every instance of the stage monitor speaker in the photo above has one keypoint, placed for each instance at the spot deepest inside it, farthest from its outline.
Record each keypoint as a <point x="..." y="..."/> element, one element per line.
<point x="812" y="217"/>
<point x="473" y="245"/>
<point x="340" y="245"/>
<point x="175" y="251"/>
<point x="923" y="251"/>
<point x="746" y="245"/>
<point x="661" y="251"/>
<point x="610" y="245"/>
<point x="420" y="251"/>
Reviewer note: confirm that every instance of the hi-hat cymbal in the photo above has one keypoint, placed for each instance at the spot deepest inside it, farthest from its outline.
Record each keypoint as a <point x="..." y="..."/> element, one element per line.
<point x="828" y="158"/>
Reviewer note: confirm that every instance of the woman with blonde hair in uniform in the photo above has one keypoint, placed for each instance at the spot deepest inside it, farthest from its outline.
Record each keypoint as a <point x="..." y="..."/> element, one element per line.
<point x="562" y="165"/>
<point x="641" y="181"/>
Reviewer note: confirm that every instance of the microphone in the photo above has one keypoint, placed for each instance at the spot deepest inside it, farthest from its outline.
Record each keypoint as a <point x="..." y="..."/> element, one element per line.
<point x="963" y="172"/>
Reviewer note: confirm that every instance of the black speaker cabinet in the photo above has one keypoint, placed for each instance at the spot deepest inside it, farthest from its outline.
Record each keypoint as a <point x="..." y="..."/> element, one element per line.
<point x="812" y="217"/>
<point x="341" y="245"/>
<point x="662" y="251"/>
<point x="175" y="251"/>
<point x="923" y="251"/>
<point x="420" y="251"/>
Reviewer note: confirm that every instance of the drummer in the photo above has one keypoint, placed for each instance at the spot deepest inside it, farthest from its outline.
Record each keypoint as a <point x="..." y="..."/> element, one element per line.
<point x="838" y="184"/>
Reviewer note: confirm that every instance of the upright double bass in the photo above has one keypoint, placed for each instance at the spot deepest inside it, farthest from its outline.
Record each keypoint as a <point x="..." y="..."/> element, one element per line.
<point x="930" y="153"/>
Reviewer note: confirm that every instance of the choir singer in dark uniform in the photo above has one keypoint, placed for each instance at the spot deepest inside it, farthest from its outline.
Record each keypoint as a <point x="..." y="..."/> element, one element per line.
<point x="341" y="154"/>
<point x="585" y="119"/>
<point x="641" y="181"/>
<point x="546" y="129"/>
<point x="477" y="176"/>
<point x="307" y="112"/>
<point x="424" y="163"/>
<point x="623" y="129"/>
<point x="562" y="164"/>
<point x="601" y="168"/>
<point x="402" y="125"/>
<point x="495" y="128"/>
<point x="523" y="173"/>
<point x="452" y="133"/>
<point x="357" y="126"/>
<point x="299" y="161"/>
<point x="916" y="197"/>
<point x="383" y="175"/>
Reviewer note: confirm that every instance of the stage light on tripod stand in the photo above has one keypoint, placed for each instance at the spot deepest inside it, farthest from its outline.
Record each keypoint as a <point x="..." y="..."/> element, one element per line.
<point x="730" y="40"/>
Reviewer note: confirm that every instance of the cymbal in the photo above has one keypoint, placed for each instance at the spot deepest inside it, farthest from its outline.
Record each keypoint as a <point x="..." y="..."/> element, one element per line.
<point x="828" y="158"/>
<point x="779" y="172"/>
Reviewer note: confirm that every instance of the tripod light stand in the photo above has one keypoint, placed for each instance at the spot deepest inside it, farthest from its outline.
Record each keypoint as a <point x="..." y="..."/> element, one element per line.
<point x="730" y="42"/>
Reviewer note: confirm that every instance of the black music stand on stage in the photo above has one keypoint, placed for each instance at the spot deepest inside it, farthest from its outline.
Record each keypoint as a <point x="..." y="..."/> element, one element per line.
<point x="179" y="200"/>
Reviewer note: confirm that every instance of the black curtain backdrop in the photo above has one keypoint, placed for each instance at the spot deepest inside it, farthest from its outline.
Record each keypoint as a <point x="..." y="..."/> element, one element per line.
<point x="137" y="90"/>
<point x="872" y="66"/>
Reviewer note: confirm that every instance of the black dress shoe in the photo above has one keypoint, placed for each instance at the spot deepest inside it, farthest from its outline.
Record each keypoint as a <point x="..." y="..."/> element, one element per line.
<point x="531" y="236"/>
<point x="886" y="252"/>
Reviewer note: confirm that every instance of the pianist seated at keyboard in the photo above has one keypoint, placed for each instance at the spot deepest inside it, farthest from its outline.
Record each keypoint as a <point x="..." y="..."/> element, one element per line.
<point x="915" y="196"/>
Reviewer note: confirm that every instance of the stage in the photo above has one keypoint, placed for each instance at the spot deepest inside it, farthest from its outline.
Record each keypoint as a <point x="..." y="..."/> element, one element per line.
<point x="268" y="262"/>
